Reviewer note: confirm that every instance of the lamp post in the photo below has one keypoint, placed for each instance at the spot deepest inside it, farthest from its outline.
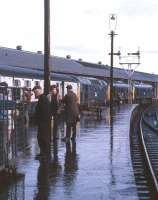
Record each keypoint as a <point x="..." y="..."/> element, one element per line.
<point x="46" y="46"/>
<point x="47" y="57"/>
<point x="112" y="26"/>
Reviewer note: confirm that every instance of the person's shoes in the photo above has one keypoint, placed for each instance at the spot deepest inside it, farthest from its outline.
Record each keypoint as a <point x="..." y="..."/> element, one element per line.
<point x="73" y="139"/>
<point x="45" y="158"/>
<point x="38" y="156"/>
<point x="55" y="138"/>
<point x="66" y="139"/>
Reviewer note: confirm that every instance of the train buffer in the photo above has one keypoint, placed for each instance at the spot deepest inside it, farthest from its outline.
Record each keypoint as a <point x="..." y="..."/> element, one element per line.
<point x="96" y="166"/>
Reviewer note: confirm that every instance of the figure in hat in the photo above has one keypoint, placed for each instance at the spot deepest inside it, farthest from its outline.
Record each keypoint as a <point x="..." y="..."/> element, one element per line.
<point x="55" y="100"/>
<point x="43" y="120"/>
<point x="71" y="113"/>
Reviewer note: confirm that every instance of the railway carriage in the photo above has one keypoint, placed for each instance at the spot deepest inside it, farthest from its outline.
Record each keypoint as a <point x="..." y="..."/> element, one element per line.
<point x="91" y="92"/>
<point x="120" y="92"/>
<point x="142" y="93"/>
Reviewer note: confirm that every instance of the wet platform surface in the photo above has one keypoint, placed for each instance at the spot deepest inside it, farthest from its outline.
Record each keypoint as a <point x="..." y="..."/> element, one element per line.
<point x="95" y="167"/>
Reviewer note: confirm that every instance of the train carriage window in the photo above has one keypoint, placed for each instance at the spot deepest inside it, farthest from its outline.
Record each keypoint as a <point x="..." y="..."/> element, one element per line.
<point x="27" y="83"/>
<point x="37" y="83"/>
<point x="17" y="83"/>
<point x="16" y="93"/>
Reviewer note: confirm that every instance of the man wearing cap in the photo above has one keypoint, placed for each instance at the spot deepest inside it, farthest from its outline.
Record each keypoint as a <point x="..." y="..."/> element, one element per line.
<point x="43" y="120"/>
<point x="71" y="112"/>
<point x="55" y="100"/>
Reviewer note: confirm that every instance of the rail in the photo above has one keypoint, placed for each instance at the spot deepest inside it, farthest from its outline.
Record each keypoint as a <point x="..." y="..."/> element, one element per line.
<point x="147" y="157"/>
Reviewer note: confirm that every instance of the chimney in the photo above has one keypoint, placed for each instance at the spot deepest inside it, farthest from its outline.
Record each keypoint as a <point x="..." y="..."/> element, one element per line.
<point x="68" y="57"/>
<point x="19" y="47"/>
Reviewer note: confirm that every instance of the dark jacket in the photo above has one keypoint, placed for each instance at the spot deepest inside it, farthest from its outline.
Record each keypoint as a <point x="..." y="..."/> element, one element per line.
<point x="42" y="112"/>
<point x="54" y="104"/>
<point x="71" y="107"/>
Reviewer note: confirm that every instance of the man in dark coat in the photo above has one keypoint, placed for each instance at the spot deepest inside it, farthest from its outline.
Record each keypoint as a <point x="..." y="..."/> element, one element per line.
<point x="43" y="120"/>
<point x="71" y="112"/>
<point x="54" y="99"/>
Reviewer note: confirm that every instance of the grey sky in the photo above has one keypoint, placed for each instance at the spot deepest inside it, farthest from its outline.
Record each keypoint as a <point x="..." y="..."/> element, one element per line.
<point x="138" y="7"/>
<point x="80" y="28"/>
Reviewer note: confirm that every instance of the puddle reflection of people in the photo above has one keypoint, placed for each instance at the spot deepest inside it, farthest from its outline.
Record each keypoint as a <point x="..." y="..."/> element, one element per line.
<point x="48" y="174"/>
<point x="70" y="166"/>
<point x="42" y="182"/>
<point x="55" y="164"/>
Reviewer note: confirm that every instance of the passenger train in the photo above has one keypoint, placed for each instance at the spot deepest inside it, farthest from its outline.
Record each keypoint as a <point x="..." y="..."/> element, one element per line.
<point x="91" y="92"/>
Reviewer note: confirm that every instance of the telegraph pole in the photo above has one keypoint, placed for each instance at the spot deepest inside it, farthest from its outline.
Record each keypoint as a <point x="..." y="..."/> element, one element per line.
<point x="46" y="46"/>
<point x="130" y="71"/>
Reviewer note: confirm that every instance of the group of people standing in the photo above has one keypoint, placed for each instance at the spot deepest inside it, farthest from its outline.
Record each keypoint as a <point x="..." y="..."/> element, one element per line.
<point x="48" y="109"/>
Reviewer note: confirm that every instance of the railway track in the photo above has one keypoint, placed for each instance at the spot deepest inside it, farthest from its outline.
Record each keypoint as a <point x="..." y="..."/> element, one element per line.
<point x="144" y="154"/>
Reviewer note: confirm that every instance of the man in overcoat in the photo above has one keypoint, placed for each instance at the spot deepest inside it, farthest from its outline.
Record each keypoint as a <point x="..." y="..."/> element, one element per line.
<point x="71" y="112"/>
<point x="43" y="121"/>
<point x="54" y="99"/>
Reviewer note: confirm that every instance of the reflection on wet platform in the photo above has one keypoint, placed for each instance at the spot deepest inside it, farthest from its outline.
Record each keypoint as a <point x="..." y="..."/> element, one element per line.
<point x="96" y="166"/>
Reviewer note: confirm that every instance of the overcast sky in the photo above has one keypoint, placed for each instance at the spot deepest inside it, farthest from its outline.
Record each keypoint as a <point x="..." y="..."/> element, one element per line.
<point x="80" y="28"/>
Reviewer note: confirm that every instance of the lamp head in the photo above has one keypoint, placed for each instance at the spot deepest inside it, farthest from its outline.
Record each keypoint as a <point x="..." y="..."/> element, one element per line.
<point x="112" y="22"/>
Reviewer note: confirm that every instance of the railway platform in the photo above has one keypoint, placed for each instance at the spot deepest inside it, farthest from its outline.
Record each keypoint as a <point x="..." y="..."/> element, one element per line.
<point x="95" y="167"/>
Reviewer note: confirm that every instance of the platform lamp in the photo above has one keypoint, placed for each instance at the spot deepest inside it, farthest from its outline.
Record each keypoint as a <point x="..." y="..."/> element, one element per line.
<point x="112" y="27"/>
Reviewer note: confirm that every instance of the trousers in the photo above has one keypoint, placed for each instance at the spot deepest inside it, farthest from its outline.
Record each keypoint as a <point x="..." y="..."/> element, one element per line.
<point x="71" y="126"/>
<point x="44" y="138"/>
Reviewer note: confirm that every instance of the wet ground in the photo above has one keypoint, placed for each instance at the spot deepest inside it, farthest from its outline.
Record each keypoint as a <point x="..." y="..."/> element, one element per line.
<point x="95" y="167"/>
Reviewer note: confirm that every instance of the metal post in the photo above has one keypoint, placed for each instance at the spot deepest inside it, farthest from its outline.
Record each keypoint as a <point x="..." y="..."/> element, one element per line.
<point x="46" y="57"/>
<point x="130" y="90"/>
<point x="46" y="46"/>
<point x="111" y="70"/>
<point x="130" y="71"/>
<point x="129" y="83"/>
